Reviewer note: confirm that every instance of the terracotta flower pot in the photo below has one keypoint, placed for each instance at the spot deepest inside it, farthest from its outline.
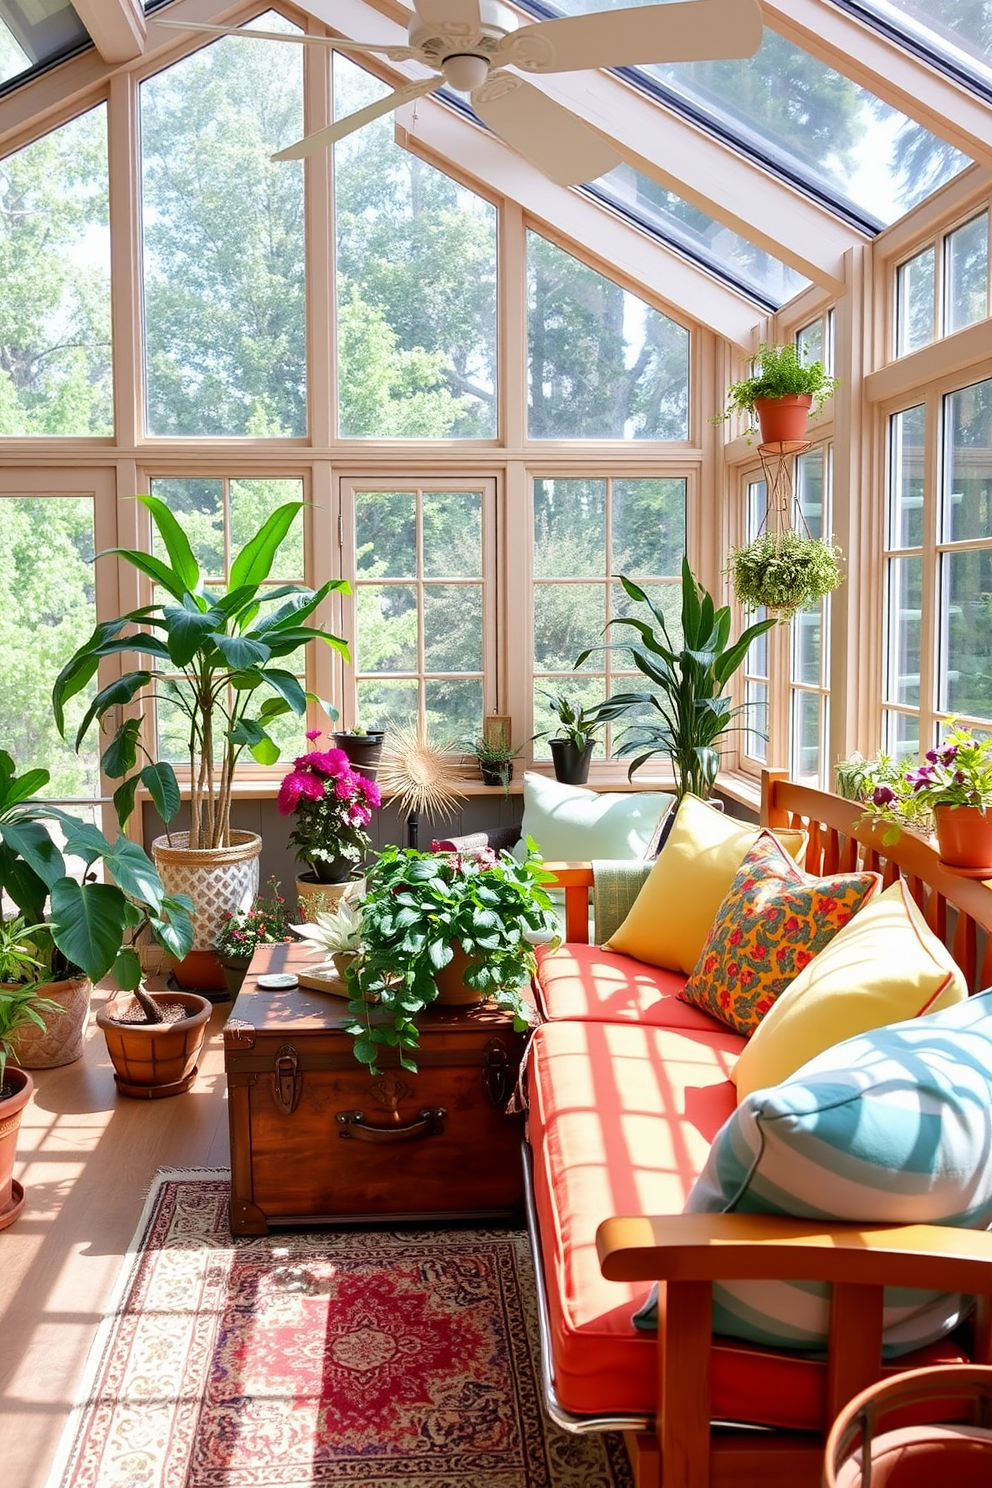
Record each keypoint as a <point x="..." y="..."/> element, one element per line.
<point x="153" y="1060"/>
<point x="964" y="838"/>
<point x="450" y="980"/>
<point x="783" y="420"/>
<point x="11" y="1192"/>
<point x="61" y="1040"/>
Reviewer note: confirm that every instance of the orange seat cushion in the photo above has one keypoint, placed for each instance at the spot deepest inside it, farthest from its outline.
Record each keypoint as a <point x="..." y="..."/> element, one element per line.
<point x="585" y="982"/>
<point x="621" y="1118"/>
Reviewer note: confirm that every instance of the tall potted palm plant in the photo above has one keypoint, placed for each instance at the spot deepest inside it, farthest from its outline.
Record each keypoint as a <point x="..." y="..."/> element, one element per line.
<point x="687" y="709"/>
<point x="216" y="657"/>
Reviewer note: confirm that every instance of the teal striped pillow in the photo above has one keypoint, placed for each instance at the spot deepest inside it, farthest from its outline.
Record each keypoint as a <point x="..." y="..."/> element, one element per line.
<point x="894" y="1126"/>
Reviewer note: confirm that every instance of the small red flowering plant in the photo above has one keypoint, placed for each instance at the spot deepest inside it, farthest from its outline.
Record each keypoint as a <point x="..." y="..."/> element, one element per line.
<point x="266" y="921"/>
<point x="332" y="805"/>
<point x="958" y="772"/>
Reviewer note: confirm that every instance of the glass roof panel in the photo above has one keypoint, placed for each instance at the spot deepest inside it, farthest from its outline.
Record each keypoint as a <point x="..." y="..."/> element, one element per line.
<point x="803" y="120"/>
<point x="33" y="36"/>
<point x="957" y="33"/>
<point x="704" y="240"/>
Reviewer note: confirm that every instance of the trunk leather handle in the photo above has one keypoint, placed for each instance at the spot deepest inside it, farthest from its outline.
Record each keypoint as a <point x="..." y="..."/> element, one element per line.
<point x="353" y="1126"/>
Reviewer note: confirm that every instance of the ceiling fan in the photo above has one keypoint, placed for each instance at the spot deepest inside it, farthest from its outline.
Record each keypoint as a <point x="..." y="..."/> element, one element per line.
<point x="469" y="44"/>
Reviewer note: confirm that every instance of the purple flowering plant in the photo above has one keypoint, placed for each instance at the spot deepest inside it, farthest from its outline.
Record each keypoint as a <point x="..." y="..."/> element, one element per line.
<point x="332" y="806"/>
<point x="958" y="772"/>
<point x="266" y="921"/>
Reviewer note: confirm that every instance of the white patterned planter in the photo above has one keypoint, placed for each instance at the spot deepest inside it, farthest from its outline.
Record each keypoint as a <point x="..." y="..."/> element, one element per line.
<point x="217" y="879"/>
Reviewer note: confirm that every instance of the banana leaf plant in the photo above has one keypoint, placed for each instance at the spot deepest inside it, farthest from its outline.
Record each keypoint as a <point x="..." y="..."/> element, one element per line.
<point x="214" y="655"/>
<point x="95" y="925"/>
<point x="687" y="710"/>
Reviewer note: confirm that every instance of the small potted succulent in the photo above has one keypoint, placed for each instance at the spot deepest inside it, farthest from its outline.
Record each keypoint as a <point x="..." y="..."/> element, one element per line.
<point x="495" y="754"/>
<point x="241" y="934"/>
<point x="952" y="787"/>
<point x="454" y="927"/>
<point x="778" y="394"/>
<point x="783" y="571"/>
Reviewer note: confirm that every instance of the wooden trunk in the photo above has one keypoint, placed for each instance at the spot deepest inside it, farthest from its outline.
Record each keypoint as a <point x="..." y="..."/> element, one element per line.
<point x="316" y="1139"/>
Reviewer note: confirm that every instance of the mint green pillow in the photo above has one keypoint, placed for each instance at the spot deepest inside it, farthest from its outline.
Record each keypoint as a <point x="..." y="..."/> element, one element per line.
<point x="572" y="824"/>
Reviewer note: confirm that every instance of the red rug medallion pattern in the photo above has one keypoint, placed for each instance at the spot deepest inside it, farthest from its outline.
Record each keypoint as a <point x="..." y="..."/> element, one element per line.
<point x="311" y="1360"/>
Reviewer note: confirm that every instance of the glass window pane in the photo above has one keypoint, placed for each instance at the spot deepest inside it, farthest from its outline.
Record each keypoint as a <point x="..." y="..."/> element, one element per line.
<point x="807" y="637"/>
<point x="387" y="628"/>
<point x="957" y="30"/>
<point x="810" y="342"/>
<point x="567" y="619"/>
<point x="901" y="734"/>
<point x="915" y="303"/>
<point x="966" y="274"/>
<point x="453" y="627"/>
<point x="55" y="347"/>
<point x="756" y="720"/>
<point x="383" y="701"/>
<point x="223" y="247"/>
<point x="806" y="735"/>
<point x="452" y="534"/>
<point x="700" y="237"/>
<point x="453" y="710"/>
<point x="602" y="363"/>
<point x="47" y="610"/>
<point x="416" y="286"/>
<point x="809" y="491"/>
<point x="906" y="478"/>
<point x="252" y="503"/>
<point x="199" y="505"/>
<point x="968" y="463"/>
<point x="569" y="528"/>
<point x="35" y="34"/>
<point x="386" y="534"/>
<point x="966" y="644"/>
<point x="905" y="638"/>
<point x="648" y="525"/>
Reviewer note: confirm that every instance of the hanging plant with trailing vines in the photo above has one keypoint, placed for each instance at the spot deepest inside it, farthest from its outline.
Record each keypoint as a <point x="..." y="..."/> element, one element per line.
<point x="784" y="571"/>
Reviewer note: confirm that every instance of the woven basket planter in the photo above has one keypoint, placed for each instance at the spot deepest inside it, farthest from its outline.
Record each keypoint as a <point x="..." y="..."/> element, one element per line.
<point x="61" y="1040"/>
<point x="218" y="880"/>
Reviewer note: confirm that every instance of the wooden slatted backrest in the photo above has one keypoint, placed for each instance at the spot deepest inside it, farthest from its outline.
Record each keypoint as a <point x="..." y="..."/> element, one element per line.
<point x="957" y="908"/>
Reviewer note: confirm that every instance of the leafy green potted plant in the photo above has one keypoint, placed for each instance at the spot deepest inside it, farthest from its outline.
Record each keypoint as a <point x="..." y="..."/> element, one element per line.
<point x="495" y="754"/>
<point x="30" y="959"/>
<point x="572" y="743"/>
<point x="21" y="1006"/>
<point x="784" y="571"/>
<point x="444" y="927"/>
<point x="952" y="787"/>
<point x="857" y="777"/>
<point x="337" y="936"/>
<point x="96" y="926"/>
<point x="687" y="709"/>
<point x="778" y="394"/>
<point x="218" y="657"/>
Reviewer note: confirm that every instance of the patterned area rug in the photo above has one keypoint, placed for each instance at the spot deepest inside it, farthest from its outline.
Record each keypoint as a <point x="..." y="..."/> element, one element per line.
<point x="309" y="1360"/>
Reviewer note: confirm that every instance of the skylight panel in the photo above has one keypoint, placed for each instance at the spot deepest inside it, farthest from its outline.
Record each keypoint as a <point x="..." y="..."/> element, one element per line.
<point x="34" y="36"/>
<point x="956" y="35"/>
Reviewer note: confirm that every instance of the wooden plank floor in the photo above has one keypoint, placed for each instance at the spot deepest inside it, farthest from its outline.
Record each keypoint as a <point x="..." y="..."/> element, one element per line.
<point x="86" y="1157"/>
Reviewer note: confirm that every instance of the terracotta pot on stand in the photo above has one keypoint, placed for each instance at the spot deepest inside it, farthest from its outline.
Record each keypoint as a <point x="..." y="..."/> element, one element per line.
<point x="964" y="839"/>
<point x="61" y="1040"/>
<point x="571" y="763"/>
<point x="217" y="879"/>
<point x="154" y="1060"/>
<point x="783" y="420"/>
<point x="11" y="1192"/>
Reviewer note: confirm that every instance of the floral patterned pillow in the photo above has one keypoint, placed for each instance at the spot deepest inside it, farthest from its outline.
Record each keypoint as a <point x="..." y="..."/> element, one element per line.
<point x="772" y="923"/>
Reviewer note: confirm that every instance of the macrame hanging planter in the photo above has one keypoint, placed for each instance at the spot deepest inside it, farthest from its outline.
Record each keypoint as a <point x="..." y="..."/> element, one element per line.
<point x="784" y="568"/>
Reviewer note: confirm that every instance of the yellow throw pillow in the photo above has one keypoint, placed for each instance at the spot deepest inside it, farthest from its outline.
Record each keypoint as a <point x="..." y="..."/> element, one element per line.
<point x="671" y="918"/>
<point x="885" y="966"/>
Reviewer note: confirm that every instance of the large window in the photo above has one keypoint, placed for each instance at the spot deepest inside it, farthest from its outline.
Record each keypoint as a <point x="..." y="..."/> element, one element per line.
<point x="587" y="533"/>
<point x="944" y="287"/>
<point x="938" y="569"/>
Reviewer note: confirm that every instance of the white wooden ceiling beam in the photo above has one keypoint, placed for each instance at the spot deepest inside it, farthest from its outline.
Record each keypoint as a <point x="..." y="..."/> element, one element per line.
<point x="441" y="136"/>
<point x="900" y="79"/>
<point x="116" y="26"/>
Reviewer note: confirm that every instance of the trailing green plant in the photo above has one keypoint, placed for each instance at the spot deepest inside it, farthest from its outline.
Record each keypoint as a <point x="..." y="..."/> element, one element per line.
<point x="784" y="571"/>
<point x="577" y="724"/>
<point x="94" y="925"/>
<point x="687" y="710"/>
<point x="415" y="908"/>
<point x="776" y="372"/>
<point x="214" y="655"/>
<point x="19" y="962"/>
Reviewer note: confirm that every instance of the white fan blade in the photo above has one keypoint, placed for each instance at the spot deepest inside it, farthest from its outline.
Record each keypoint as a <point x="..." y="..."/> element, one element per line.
<point x="543" y="132"/>
<point x="451" y="17"/>
<point x="682" y="32"/>
<point x="347" y="126"/>
<point x="394" y="53"/>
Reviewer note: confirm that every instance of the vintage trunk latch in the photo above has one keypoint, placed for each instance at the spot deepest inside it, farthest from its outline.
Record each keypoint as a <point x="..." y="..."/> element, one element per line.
<point x="497" y="1073"/>
<point x="286" y="1080"/>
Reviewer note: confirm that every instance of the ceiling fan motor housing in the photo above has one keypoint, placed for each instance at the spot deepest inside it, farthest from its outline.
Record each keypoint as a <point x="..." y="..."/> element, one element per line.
<point x="462" y="38"/>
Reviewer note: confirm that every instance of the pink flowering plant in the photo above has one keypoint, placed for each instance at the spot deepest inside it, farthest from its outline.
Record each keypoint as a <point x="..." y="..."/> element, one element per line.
<point x="332" y="805"/>
<point x="263" y="924"/>
<point x="958" y="772"/>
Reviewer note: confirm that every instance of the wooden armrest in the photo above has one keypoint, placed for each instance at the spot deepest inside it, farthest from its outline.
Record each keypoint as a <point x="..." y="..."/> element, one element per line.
<point x="576" y="879"/>
<point x="723" y="1247"/>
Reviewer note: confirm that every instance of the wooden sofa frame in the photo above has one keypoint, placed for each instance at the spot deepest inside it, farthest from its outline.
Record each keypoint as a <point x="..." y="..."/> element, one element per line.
<point x="687" y="1253"/>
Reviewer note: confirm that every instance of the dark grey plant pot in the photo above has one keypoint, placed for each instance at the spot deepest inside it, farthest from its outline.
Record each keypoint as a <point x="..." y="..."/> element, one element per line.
<point x="571" y="764"/>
